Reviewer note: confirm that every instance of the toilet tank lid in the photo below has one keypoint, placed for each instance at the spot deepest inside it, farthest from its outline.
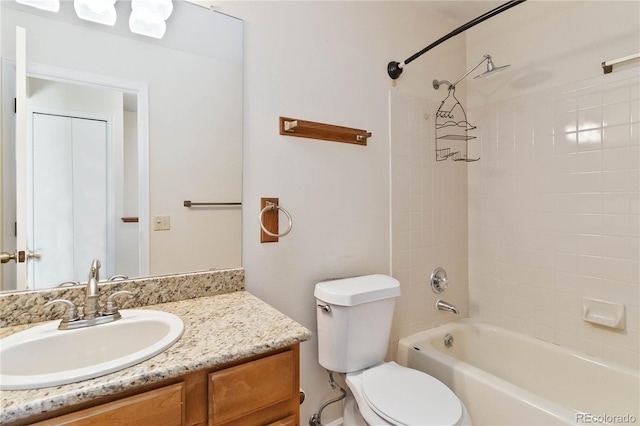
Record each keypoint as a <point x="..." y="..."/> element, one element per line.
<point x="357" y="290"/>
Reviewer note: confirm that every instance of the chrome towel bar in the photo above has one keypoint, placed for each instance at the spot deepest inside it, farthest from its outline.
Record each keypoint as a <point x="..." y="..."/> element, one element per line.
<point x="188" y="203"/>
<point x="607" y="66"/>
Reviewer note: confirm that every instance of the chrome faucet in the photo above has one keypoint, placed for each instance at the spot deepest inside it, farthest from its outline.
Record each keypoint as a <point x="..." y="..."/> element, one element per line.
<point x="91" y="307"/>
<point x="446" y="306"/>
<point x="92" y="311"/>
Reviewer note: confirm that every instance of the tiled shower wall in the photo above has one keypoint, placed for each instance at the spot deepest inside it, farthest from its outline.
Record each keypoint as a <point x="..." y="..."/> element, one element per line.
<point x="429" y="219"/>
<point x="554" y="213"/>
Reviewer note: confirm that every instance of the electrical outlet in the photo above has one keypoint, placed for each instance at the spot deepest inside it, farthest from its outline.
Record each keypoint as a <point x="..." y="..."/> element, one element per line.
<point x="161" y="223"/>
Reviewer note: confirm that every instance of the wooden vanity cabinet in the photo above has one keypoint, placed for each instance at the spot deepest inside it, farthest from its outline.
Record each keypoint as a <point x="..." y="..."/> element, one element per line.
<point x="261" y="391"/>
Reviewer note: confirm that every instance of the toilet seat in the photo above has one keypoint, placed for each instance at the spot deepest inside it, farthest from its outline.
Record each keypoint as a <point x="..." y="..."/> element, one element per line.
<point x="404" y="396"/>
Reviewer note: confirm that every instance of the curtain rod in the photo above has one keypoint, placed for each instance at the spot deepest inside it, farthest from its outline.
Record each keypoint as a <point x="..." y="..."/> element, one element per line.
<point x="394" y="69"/>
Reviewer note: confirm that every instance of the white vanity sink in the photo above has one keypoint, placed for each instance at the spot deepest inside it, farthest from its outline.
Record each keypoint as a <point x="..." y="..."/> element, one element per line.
<point x="44" y="356"/>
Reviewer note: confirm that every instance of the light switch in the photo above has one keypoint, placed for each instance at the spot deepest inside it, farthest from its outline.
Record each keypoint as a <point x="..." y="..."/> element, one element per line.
<point x="161" y="223"/>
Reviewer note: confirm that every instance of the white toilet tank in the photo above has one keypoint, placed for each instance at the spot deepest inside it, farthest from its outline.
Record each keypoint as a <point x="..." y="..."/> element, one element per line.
<point x="354" y="321"/>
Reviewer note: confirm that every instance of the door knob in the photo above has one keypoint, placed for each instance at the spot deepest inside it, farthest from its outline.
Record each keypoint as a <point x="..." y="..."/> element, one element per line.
<point x="6" y="257"/>
<point x="19" y="256"/>
<point x="37" y="254"/>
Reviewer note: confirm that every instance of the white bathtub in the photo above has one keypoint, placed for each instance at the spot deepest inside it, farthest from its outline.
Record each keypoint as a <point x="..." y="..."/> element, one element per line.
<point x="505" y="378"/>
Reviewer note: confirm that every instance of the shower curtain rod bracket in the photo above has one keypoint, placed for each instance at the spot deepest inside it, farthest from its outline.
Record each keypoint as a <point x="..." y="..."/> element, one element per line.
<point x="394" y="69"/>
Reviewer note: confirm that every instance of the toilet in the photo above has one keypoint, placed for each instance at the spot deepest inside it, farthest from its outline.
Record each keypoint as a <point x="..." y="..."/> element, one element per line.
<point x="354" y="325"/>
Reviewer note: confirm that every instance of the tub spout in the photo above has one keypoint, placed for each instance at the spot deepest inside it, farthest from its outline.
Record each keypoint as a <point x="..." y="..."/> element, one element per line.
<point x="446" y="306"/>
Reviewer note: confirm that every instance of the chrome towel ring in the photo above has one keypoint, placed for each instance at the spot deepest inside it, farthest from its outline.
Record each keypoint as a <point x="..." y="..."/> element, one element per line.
<point x="273" y="206"/>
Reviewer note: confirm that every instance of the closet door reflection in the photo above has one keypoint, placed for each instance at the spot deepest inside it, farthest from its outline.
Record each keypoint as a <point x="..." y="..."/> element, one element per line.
<point x="68" y="205"/>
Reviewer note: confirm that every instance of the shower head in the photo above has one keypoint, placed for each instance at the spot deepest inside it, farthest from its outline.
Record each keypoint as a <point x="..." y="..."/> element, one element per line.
<point x="491" y="69"/>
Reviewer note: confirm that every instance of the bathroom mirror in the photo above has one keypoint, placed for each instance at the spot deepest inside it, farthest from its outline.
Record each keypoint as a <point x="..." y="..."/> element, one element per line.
<point x="173" y="131"/>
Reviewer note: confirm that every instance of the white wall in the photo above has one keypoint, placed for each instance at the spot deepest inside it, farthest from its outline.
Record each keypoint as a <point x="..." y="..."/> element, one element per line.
<point x="91" y="101"/>
<point x="326" y="62"/>
<point x="553" y="203"/>
<point x="127" y="253"/>
<point x="195" y="110"/>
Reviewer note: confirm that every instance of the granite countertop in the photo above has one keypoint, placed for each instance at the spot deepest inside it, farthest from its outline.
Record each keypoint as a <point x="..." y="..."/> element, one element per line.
<point x="218" y="329"/>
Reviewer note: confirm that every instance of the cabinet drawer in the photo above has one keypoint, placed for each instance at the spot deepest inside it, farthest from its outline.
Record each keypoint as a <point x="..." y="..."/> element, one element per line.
<point x="164" y="406"/>
<point x="247" y="388"/>
<point x="288" y="421"/>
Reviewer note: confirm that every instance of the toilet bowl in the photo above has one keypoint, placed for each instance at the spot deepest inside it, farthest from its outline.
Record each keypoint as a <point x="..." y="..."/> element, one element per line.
<point x="390" y="394"/>
<point x="354" y="326"/>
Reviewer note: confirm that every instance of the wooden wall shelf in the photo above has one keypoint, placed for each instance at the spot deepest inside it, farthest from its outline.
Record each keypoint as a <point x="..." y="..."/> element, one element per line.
<point x="326" y="132"/>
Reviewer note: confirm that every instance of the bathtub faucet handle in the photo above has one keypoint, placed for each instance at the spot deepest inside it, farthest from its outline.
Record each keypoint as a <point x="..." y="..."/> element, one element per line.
<point x="439" y="280"/>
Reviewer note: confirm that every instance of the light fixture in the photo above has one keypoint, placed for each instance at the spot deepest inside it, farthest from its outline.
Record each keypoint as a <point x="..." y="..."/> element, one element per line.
<point x="98" y="11"/>
<point x="148" y="17"/>
<point x="48" y="5"/>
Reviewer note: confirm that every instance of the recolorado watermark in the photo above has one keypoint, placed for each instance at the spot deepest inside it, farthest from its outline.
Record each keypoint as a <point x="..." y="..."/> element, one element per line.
<point x="588" y="418"/>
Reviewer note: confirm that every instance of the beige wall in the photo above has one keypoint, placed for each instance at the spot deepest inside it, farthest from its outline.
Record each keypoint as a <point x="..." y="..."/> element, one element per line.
<point x="429" y="216"/>
<point x="553" y="203"/>
<point x="326" y="62"/>
<point x="364" y="210"/>
<point x="355" y="211"/>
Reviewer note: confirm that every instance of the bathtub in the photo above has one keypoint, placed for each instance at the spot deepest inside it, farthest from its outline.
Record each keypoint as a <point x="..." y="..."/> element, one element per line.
<point x="505" y="378"/>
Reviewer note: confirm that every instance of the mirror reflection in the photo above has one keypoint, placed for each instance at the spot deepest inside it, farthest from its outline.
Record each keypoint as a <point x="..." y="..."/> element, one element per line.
<point x="121" y="129"/>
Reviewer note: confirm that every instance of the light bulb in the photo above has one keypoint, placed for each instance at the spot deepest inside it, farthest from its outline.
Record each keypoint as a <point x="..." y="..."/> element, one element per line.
<point x="148" y="17"/>
<point x="159" y="8"/>
<point x="147" y="25"/>
<point x="99" y="11"/>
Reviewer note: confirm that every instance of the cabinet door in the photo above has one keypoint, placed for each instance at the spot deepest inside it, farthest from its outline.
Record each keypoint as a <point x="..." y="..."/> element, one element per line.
<point x="164" y="406"/>
<point x="247" y="388"/>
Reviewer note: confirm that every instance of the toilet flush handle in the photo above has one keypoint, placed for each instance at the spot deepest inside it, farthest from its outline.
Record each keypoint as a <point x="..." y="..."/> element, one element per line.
<point x="325" y="308"/>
